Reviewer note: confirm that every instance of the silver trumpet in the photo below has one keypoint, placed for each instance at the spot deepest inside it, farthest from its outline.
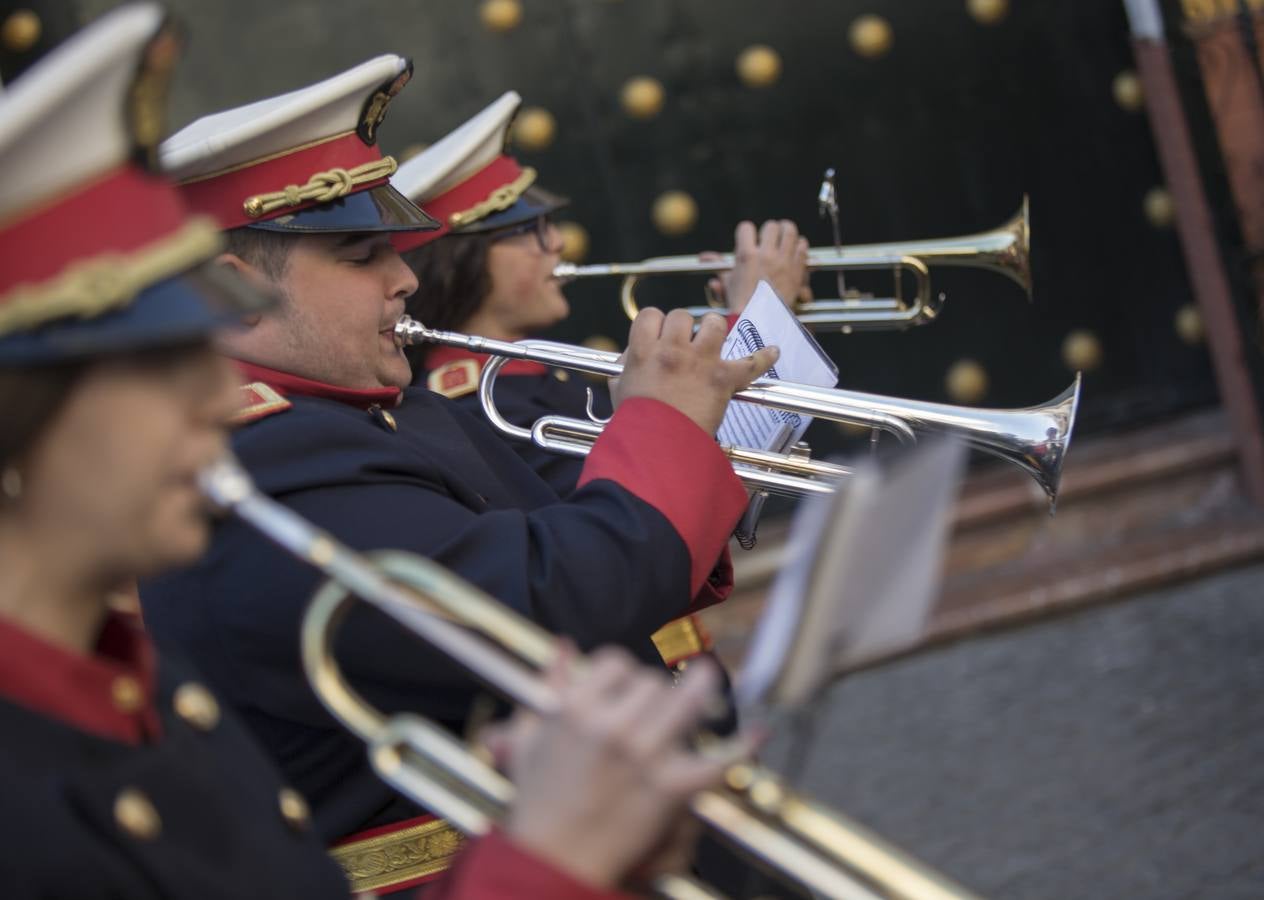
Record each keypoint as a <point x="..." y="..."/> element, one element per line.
<point x="1004" y="250"/>
<point x="1035" y="438"/>
<point x="797" y="839"/>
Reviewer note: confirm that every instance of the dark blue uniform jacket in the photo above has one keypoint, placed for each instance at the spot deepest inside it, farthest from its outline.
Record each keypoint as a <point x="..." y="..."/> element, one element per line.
<point x="109" y="792"/>
<point x="524" y="392"/>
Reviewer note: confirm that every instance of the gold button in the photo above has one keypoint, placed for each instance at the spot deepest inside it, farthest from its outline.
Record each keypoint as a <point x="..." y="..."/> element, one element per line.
<point x="136" y="815"/>
<point x="127" y="695"/>
<point x="383" y="417"/>
<point x="294" y="809"/>
<point x="197" y="706"/>
<point x="561" y="375"/>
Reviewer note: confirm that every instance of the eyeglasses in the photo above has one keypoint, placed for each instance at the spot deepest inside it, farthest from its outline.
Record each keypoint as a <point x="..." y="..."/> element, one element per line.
<point x="539" y="226"/>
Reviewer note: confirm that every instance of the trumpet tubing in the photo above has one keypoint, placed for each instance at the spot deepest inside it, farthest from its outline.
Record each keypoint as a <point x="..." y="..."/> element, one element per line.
<point x="1034" y="438"/>
<point x="820" y="850"/>
<point x="1004" y="250"/>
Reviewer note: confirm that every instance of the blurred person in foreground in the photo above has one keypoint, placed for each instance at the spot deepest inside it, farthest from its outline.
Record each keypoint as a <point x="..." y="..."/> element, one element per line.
<point x="122" y="774"/>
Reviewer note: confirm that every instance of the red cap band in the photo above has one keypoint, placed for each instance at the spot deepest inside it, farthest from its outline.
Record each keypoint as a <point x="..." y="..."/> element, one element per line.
<point x="478" y="187"/>
<point x="120" y="212"/>
<point x="224" y="195"/>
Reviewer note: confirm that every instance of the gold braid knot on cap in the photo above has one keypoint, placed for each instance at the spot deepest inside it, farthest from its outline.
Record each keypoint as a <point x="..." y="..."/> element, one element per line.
<point x="321" y="187"/>
<point x="96" y="285"/>
<point x="503" y="197"/>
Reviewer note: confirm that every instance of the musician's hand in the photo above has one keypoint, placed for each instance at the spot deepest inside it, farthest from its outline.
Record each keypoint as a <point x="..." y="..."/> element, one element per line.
<point x="667" y="361"/>
<point x="603" y="782"/>
<point x="777" y="254"/>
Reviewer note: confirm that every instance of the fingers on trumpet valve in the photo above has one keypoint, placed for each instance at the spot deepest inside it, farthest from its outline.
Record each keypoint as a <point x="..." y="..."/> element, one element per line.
<point x="678" y="327"/>
<point x="711" y="331"/>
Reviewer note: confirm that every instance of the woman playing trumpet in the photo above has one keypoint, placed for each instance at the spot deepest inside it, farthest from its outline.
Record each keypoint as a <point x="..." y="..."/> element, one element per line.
<point x="488" y="271"/>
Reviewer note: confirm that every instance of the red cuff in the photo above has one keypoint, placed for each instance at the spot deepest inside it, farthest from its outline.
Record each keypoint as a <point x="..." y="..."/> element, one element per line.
<point x="718" y="586"/>
<point x="495" y="868"/>
<point x="661" y="456"/>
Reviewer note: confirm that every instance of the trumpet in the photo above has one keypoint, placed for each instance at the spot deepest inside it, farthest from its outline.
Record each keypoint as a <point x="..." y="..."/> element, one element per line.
<point x="799" y="840"/>
<point x="1034" y="438"/>
<point x="1004" y="250"/>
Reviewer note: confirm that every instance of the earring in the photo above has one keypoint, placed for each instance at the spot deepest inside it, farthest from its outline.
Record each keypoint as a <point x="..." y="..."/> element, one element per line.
<point x="11" y="483"/>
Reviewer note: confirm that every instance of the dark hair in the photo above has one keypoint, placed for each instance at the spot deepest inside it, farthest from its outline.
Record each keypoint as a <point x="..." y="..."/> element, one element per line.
<point x="31" y="398"/>
<point x="452" y="279"/>
<point x="267" y="251"/>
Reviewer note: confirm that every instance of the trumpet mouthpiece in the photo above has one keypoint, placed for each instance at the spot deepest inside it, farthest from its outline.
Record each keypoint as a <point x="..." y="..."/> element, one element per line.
<point x="407" y="330"/>
<point x="565" y="272"/>
<point x="225" y="483"/>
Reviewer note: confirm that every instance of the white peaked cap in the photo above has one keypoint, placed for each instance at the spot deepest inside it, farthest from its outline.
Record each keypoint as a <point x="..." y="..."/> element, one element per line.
<point x="64" y="121"/>
<point x="302" y="162"/>
<point x="278" y="124"/>
<point x="460" y="154"/>
<point x="94" y="243"/>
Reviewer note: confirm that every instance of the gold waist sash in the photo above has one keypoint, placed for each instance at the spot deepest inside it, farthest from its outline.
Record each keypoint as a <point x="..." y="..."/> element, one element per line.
<point x="398" y="858"/>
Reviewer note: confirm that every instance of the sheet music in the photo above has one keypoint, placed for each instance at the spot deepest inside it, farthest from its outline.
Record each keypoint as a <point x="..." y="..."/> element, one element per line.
<point x="766" y="322"/>
<point x="861" y="577"/>
<point x="773" y="639"/>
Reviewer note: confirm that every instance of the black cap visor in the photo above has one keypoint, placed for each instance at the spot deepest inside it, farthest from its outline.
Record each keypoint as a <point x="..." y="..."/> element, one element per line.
<point x="173" y="311"/>
<point x="535" y="201"/>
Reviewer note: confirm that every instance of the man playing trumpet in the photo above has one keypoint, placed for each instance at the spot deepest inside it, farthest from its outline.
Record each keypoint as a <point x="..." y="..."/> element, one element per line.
<point x="329" y="429"/>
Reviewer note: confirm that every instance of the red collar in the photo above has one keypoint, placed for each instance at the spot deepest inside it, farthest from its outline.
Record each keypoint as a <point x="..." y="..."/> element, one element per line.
<point x="441" y="356"/>
<point x="109" y="693"/>
<point x="287" y="385"/>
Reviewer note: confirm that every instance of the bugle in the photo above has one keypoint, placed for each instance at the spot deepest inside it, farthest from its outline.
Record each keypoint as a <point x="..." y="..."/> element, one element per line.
<point x="1004" y="250"/>
<point x="1034" y="438"/>
<point x="795" y="838"/>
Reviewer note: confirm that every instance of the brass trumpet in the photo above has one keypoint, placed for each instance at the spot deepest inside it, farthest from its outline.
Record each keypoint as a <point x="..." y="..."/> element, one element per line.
<point x="1034" y="438"/>
<point x="798" y="839"/>
<point x="1004" y="250"/>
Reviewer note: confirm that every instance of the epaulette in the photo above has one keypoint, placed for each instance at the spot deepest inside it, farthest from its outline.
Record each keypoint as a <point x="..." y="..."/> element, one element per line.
<point x="454" y="379"/>
<point x="258" y="401"/>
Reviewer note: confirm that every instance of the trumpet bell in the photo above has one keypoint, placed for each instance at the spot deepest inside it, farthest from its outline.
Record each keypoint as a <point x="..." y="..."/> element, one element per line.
<point x="1034" y="438"/>
<point x="1042" y="448"/>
